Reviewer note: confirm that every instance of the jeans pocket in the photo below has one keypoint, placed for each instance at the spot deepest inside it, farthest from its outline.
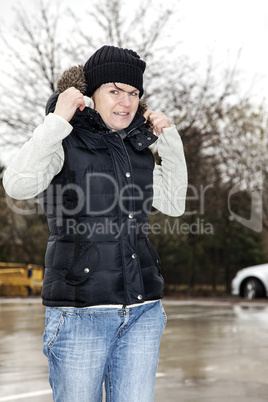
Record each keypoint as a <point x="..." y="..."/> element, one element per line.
<point x="54" y="323"/>
<point x="164" y="315"/>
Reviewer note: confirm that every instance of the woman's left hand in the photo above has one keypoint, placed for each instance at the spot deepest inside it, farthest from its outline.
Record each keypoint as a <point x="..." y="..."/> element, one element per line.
<point x="159" y="120"/>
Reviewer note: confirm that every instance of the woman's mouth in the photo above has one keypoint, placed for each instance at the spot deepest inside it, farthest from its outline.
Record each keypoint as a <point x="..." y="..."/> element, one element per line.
<point x="121" y="113"/>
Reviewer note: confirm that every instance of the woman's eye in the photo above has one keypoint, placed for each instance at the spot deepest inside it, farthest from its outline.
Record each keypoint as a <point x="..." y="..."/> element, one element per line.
<point x="114" y="92"/>
<point x="133" y="94"/>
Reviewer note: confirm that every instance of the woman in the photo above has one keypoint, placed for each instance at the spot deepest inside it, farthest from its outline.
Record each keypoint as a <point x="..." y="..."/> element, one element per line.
<point x="90" y="164"/>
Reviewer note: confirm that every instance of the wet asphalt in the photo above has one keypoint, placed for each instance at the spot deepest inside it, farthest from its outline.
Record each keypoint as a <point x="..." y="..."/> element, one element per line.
<point x="211" y="351"/>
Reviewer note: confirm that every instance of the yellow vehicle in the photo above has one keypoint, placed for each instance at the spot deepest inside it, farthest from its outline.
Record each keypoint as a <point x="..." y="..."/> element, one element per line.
<point x="20" y="279"/>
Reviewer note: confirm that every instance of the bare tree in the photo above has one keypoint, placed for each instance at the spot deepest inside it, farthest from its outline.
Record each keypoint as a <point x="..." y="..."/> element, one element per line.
<point x="34" y="56"/>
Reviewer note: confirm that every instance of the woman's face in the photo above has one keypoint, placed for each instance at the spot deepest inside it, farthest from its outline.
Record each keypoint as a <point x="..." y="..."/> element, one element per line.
<point x="117" y="104"/>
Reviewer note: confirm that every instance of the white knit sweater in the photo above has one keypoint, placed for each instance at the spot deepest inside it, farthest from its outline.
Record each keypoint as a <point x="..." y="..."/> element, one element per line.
<point x="42" y="157"/>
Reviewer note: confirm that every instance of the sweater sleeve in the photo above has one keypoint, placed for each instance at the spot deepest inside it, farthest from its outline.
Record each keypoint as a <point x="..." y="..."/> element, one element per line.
<point x="170" y="178"/>
<point x="38" y="161"/>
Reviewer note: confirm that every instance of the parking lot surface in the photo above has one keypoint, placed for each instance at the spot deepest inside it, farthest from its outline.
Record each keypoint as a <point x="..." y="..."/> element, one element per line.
<point x="212" y="350"/>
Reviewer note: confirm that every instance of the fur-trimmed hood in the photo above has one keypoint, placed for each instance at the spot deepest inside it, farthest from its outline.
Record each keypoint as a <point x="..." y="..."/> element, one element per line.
<point x="75" y="77"/>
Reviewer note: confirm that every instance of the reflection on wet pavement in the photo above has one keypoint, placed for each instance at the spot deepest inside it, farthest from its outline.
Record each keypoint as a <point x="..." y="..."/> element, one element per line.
<point x="211" y="351"/>
<point x="214" y="352"/>
<point x="23" y="368"/>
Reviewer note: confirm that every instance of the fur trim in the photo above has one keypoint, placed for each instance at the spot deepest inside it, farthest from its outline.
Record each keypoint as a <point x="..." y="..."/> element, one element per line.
<point x="75" y="77"/>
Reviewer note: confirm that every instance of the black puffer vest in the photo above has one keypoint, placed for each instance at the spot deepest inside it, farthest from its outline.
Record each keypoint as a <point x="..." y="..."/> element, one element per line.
<point x="97" y="209"/>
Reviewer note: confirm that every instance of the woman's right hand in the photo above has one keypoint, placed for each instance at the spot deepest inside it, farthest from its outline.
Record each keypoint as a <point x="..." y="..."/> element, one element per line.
<point x="68" y="102"/>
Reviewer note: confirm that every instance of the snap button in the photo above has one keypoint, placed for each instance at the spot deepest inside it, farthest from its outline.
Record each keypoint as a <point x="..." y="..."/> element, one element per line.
<point x="139" y="144"/>
<point x="86" y="270"/>
<point x="116" y="135"/>
<point x="149" y="138"/>
<point x="128" y="174"/>
<point x="134" y="255"/>
<point x="139" y="297"/>
<point x="130" y="216"/>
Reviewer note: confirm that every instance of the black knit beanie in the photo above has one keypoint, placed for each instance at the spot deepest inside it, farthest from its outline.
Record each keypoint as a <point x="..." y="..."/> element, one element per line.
<point x="114" y="64"/>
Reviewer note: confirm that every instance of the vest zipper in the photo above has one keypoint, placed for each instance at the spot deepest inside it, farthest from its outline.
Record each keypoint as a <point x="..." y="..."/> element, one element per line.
<point x="133" y="208"/>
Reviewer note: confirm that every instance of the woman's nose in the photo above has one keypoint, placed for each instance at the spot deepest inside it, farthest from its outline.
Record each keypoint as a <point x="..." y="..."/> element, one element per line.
<point x="125" y="100"/>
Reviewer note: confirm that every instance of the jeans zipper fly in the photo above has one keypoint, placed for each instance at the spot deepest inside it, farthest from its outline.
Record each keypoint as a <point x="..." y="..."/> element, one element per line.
<point x="124" y="310"/>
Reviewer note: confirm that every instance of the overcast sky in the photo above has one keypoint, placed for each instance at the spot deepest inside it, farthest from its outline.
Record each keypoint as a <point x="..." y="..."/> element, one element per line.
<point x="208" y="26"/>
<point x="225" y="27"/>
<point x="217" y="26"/>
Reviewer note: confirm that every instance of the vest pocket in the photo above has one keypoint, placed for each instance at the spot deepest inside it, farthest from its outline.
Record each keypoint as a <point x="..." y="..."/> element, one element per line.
<point x="154" y="254"/>
<point x="83" y="266"/>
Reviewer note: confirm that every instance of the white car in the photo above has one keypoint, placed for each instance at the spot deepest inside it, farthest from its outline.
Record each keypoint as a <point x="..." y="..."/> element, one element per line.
<point x="251" y="282"/>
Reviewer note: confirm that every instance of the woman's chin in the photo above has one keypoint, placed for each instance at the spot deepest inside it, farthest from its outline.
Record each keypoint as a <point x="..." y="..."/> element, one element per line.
<point x="120" y="124"/>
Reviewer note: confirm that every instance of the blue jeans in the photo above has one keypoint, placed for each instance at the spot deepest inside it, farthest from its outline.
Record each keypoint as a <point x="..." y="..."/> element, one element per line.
<point x="87" y="347"/>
